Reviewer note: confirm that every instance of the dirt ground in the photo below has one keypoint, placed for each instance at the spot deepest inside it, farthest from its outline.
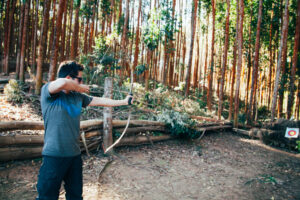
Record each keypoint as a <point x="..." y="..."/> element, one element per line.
<point x="220" y="166"/>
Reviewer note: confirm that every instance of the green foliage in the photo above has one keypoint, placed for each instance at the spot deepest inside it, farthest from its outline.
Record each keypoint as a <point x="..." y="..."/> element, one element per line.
<point x="140" y="69"/>
<point x="263" y="113"/>
<point x="151" y="31"/>
<point x="105" y="8"/>
<point x="87" y="9"/>
<point x="13" y="91"/>
<point x="298" y="145"/>
<point x="179" y="124"/>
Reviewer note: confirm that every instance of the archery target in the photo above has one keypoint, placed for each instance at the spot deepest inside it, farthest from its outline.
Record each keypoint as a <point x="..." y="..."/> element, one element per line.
<point x="292" y="132"/>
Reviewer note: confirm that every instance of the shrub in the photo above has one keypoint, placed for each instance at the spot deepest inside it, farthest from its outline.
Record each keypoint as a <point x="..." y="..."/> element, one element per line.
<point x="13" y="91"/>
<point x="180" y="125"/>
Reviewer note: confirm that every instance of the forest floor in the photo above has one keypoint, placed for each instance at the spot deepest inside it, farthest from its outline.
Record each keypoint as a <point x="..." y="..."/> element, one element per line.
<point x="219" y="166"/>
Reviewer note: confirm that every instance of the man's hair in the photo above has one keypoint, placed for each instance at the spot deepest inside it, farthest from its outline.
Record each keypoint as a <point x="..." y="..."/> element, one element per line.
<point x="70" y="68"/>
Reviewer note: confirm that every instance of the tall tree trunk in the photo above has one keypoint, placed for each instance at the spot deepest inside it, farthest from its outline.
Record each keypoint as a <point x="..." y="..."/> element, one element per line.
<point x="172" y="53"/>
<point x="8" y="33"/>
<point x="210" y="79"/>
<point x="234" y="62"/>
<point x="279" y="61"/>
<point x="189" y="67"/>
<point x="224" y="60"/>
<point x="55" y="46"/>
<point x="294" y="65"/>
<point x="20" y="35"/>
<point x="297" y="107"/>
<point x="35" y="36"/>
<point x="137" y="40"/>
<point x="42" y="47"/>
<point x="52" y="29"/>
<point x="24" y="35"/>
<point x="206" y="55"/>
<point x="70" y="30"/>
<point x="249" y="62"/>
<point x="74" y="48"/>
<point x="240" y="59"/>
<point x="196" y="64"/>
<point x="124" y="40"/>
<point x="63" y="33"/>
<point x="271" y="58"/>
<point x="255" y="66"/>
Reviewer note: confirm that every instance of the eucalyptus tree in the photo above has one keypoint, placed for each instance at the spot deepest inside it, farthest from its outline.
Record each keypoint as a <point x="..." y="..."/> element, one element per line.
<point x="256" y="59"/>
<point x="23" y="43"/>
<point x="75" y="39"/>
<point x="226" y="46"/>
<point x="279" y="60"/>
<point x="193" y="27"/>
<point x="294" y="64"/>
<point x="55" y="45"/>
<point x="239" y="66"/>
<point x="42" y="46"/>
<point x="151" y="38"/>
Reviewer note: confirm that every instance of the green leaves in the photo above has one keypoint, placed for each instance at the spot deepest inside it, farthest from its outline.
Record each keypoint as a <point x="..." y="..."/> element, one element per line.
<point x="180" y="124"/>
<point x="13" y="91"/>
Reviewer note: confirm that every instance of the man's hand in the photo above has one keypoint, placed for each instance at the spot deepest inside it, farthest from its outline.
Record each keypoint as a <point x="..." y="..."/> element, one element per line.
<point x="82" y="88"/>
<point x="129" y="99"/>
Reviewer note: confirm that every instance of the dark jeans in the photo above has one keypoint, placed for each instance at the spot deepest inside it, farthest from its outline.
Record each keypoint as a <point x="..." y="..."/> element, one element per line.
<point x="53" y="171"/>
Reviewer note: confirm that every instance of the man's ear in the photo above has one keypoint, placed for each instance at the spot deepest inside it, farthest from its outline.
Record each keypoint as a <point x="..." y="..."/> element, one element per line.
<point x="68" y="77"/>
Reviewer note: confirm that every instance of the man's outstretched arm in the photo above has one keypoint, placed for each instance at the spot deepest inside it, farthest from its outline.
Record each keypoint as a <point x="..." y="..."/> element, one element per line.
<point x="100" y="101"/>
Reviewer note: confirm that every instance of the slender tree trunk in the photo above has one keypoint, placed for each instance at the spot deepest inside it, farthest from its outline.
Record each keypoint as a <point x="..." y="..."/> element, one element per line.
<point x="55" y="47"/>
<point x="220" y="108"/>
<point x="68" y="49"/>
<point x="279" y="61"/>
<point x="63" y="33"/>
<point x="21" y="22"/>
<point x="35" y="35"/>
<point x="24" y="35"/>
<point x="42" y="47"/>
<point x="74" y="48"/>
<point x="255" y="66"/>
<point x="8" y="33"/>
<point x="210" y="82"/>
<point x="85" y="43"/>
<point x="206" y="55"/>
<point x="297" y="107"/>
<point x="189" y="67"/>
<point x="249" y="62"/>
<point x="271" y="58"/>
<point x="234" y="63"/>
<point x="294" y="65"/>
<point x="137" y="41"/>
<point x="171" y="72"/>
<point x="52" y="28"/>
<point x="124" y="40"/>
<point x="240" y="58"/>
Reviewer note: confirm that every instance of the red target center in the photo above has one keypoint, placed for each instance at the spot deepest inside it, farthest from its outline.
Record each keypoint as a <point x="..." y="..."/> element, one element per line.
<point x="292" y="133"/>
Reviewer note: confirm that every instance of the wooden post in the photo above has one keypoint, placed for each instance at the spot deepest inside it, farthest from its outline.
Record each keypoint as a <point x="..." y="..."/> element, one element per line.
<point x="107" y="115"/>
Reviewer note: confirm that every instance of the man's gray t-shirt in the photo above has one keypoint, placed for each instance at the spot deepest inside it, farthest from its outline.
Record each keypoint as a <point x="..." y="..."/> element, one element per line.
<point x="61" y="113"/>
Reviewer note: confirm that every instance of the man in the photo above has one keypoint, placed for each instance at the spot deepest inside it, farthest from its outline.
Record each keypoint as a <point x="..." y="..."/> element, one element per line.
<point x="61" y="102"/>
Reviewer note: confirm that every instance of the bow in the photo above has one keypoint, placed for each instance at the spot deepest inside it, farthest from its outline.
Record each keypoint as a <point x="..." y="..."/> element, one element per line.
<point x="129" y="115"/>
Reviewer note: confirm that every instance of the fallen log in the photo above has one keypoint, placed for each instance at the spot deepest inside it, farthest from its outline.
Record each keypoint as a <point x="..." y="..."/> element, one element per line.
<point x="215" y="128"/>
<point x="22" y="140"/>
<point x="20" y="153"/>
<point x="29" y="125"/>
<point x="138" y="140"/>
<point x="21" y="125"/>
<point x="208" y="119"/>
<point x="130" y="131"/>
